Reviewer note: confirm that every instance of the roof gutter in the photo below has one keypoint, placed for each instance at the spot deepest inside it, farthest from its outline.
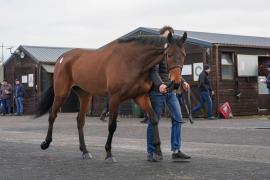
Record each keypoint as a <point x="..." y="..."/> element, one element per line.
<point x="47" y="63"/>
<point x="244" y="46"/>
<point x="197" y="42"/>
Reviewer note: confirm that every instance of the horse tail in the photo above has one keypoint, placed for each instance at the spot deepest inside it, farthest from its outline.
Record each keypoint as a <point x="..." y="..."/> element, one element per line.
<point x="46" y="102"/>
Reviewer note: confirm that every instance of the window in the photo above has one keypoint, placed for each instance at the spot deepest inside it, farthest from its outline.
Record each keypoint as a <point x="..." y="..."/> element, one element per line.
<point x="227" y="66"/>
<point x="247" y="65"/>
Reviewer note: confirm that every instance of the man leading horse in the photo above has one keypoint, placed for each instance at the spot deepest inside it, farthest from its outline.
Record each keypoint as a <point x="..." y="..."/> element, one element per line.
<point x="120" y="71"/>
<point x="160" y="94"/>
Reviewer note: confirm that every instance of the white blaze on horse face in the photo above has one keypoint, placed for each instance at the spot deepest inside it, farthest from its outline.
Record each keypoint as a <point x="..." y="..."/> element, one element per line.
<point x="165" y="45"/>
<point x="61" y="60"/>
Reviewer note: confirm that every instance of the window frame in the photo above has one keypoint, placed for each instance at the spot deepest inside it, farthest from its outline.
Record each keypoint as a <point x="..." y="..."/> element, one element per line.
<point x="232" y="66"/>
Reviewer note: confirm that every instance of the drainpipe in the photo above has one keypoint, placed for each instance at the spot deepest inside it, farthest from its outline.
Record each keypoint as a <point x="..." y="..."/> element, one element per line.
<point x="217" y="79"/>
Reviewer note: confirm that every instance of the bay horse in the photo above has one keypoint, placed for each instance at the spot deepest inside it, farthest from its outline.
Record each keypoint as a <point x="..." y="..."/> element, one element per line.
<point x="119" y="70"/>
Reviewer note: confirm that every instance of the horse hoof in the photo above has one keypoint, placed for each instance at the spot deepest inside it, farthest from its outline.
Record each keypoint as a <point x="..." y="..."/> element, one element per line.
<point x="111" y="160"/>
<point x="44" y="145"/>
<point x="87" y="156"/>
<point x="157" y="157"/>
<point x="81" y="149"/>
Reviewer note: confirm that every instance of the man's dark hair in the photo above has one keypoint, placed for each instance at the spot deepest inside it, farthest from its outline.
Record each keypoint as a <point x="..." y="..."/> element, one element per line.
<point x="206" y="66"/>
<point x="166" y="28"/>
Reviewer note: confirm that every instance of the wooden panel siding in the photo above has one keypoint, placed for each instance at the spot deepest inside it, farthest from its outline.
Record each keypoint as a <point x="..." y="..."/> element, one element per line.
<point x="17" y="67"/>
<point x="195" y="54"/>
<point x="247" y="86"/>
<point x="125" y="108"/>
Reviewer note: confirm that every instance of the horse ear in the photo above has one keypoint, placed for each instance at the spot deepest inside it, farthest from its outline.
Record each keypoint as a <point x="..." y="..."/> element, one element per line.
<point x="184" y="37"/>
<point x="170" y="37"/>
<point x="182" y="40"/>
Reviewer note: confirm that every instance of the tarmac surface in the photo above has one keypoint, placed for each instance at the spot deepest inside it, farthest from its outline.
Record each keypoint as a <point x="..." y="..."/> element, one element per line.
<point x="221" y="149"/>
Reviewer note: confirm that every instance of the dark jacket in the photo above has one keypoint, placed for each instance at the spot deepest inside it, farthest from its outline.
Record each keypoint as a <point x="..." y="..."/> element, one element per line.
<point x="159" y="75"/>
<point x="1" y="96"/>
<point x="19" y="91"/>
<point x="6" y="91"/>
<point x="268" y="81"/>
<point x="204" y="83"/>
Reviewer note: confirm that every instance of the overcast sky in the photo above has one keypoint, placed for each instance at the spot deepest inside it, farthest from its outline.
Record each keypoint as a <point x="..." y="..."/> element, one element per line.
<point x="93" y="23"/>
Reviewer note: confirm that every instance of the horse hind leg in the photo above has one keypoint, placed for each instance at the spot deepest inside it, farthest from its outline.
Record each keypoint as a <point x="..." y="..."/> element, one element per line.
<point x="85" y="101"/>
<point x="145" y="103"/>
<point x="114" y="102"/>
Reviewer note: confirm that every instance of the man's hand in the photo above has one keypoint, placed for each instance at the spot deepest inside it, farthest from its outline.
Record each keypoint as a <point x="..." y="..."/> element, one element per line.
<point x="186" y="86"/>
<point x="163" y="88"/>
<point x="7" y="92"/>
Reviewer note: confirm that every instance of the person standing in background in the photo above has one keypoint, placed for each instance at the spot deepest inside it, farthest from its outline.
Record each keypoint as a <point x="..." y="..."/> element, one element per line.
<point x="6" y="94"/>
<point x="205" y="92"/>
<point x="268" y="78"/>
<point x="105" y="110"/>
<point x="145" y="118"/>
<point x="1" y="103"/>
<point x="18" y="95"/>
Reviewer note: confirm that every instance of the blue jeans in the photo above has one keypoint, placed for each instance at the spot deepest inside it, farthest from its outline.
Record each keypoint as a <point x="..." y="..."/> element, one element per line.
<point x="19" y="105"/>
<point x="158" y="100"/>
<point x="6" y="106"/>
<point x="204" y="97"/>
<point x="1" y="106"/>
<point x="179" y="97"/>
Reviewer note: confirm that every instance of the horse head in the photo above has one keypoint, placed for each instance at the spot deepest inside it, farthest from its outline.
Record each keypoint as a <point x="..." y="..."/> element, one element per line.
<point x="175" y="56"/>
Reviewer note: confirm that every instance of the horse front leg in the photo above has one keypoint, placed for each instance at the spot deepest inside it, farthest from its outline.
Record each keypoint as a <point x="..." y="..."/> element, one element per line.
<point x="80" y="125"/>
<point x="113" y="107"/>
<point x="85" y="103"/>
<point x="45" y="144"/>
<point x="145" y="103"/>
<point x="58" y="101"/>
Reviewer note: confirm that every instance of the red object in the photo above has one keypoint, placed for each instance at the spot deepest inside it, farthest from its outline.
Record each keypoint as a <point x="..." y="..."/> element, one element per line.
<point x="226" y="111"/>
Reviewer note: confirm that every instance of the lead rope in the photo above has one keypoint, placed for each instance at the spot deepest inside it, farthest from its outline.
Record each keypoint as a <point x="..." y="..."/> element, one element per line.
<point x="188" y="105"/>
<point x="189" y="109"/>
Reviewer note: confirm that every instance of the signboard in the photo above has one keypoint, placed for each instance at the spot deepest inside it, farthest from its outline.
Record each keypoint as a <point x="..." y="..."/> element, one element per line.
<point x="262" y="87"/>
<point x="24" y="79"/>
<point x="31" y="80"/>
<point x="187" y="70"/>
<point x="197" y="69"/>
<point x="247" y="65"/>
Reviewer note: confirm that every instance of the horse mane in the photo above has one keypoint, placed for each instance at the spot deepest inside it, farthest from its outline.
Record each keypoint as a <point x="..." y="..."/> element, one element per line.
<point x="145" y="40"/>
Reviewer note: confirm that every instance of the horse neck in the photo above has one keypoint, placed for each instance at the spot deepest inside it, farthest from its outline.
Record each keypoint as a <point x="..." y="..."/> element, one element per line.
<point x="147" y="56"/>
<point x="151" y="57"/>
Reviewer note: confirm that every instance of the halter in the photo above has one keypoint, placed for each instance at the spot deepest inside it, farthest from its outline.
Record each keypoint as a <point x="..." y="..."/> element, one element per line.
<point x="186" y="104"/>
<point x="166" y="46"/>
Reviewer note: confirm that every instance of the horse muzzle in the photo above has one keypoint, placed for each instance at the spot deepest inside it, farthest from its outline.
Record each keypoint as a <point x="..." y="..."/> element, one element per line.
<point x="175" y="75"/>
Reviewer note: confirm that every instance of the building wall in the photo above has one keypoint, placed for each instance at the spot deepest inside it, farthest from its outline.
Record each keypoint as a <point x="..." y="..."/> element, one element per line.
<point x="46" y="80"/>
<point x="196" y="54"/>
<point x="16" y="68"/>
<point x="125" y="108"/>
<point x="247" y="86"/>
<point x="225" y="90"/>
